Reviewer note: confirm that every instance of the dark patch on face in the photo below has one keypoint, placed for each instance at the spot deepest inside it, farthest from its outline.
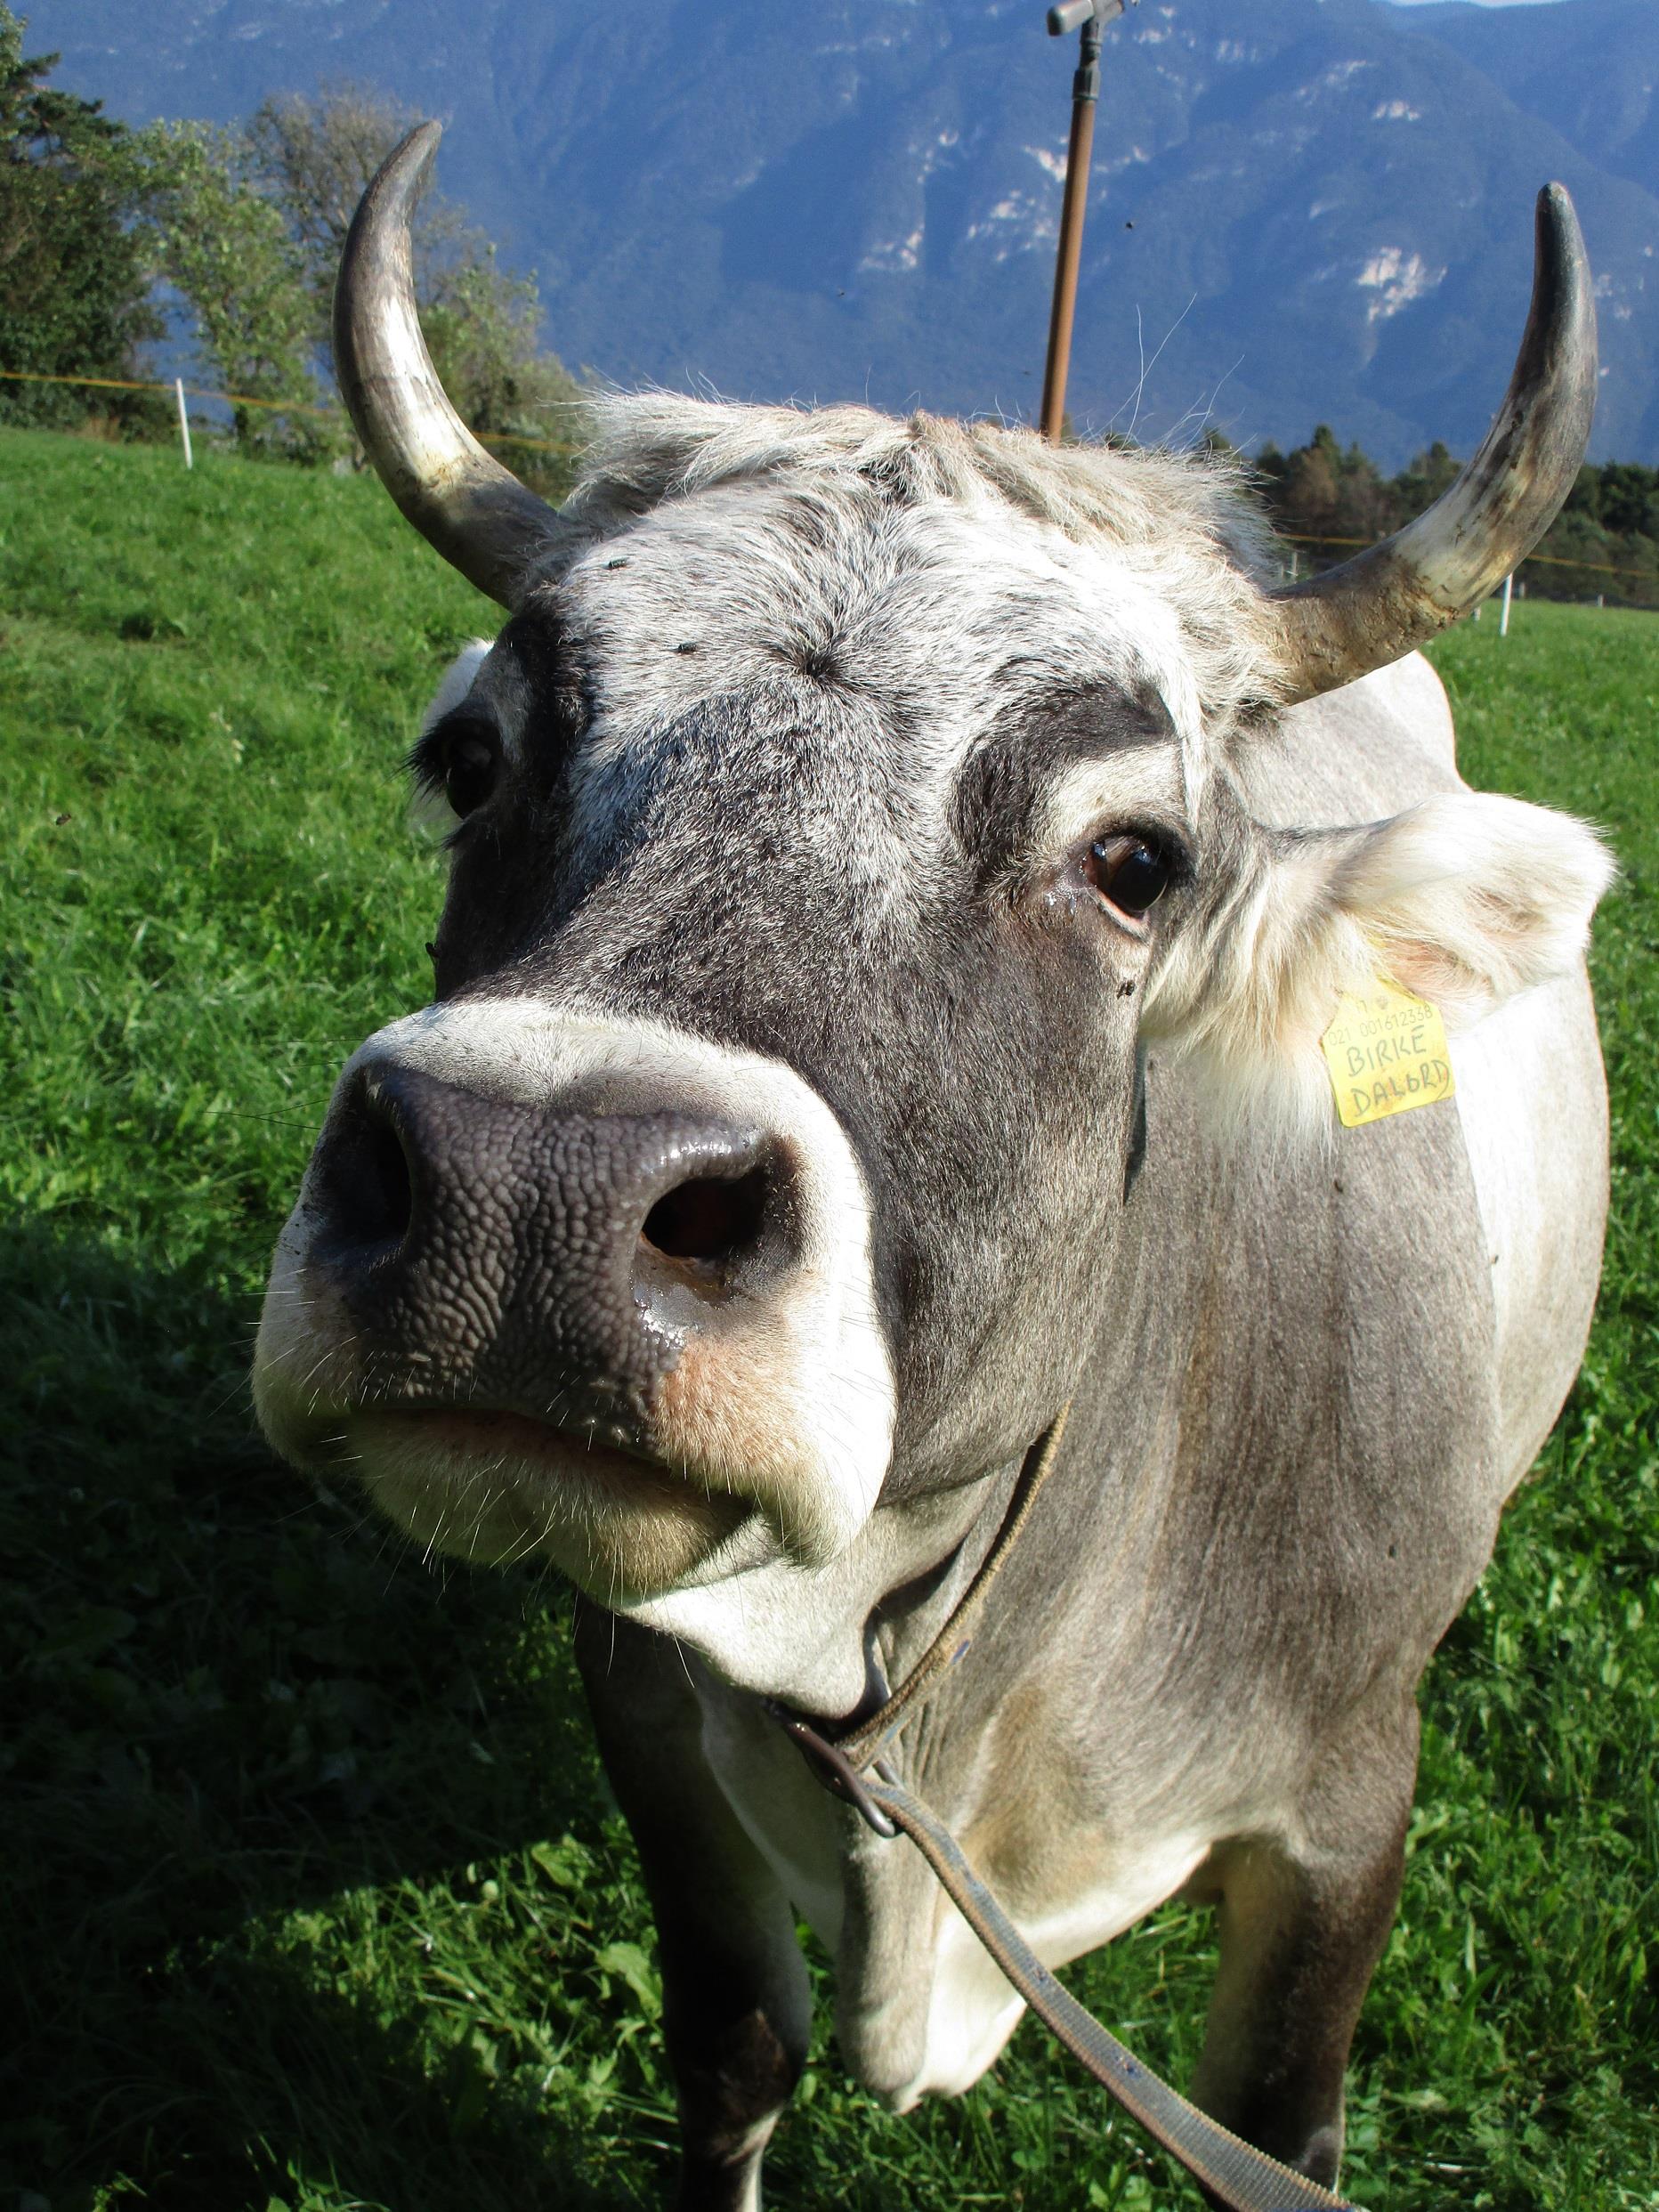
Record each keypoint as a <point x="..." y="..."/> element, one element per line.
<point x="998" y="794"/>
<point x="1137" y="1156"/>
<point x="533" y="694"/>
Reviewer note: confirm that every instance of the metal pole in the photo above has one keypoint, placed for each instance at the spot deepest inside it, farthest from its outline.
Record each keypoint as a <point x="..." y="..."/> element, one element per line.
<point x="1503" y="619"/>
<point x="1094" y="15"/>
<point x="184" y="420"/>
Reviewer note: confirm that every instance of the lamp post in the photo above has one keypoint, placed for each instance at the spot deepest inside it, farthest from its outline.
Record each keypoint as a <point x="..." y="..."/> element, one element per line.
<point x="1091" y="18"/>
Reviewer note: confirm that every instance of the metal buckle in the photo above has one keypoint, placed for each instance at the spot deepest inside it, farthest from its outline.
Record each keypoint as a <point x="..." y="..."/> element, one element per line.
<point x="834" y="1770"/>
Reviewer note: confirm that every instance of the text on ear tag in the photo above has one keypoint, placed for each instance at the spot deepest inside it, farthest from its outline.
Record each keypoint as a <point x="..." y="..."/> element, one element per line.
<point x="1387" y="1052"/>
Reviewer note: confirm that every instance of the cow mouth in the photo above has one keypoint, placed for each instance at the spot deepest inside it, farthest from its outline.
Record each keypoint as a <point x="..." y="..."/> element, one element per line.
<point x="533" y="1446"/>
<point x="494" y="1485"/>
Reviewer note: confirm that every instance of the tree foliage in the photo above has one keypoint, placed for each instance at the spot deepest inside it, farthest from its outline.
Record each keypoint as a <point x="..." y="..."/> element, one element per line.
<point x="239" y="231"/>
<point x="313" y="156"/>
<point x="249" y="225"/>
<point x="74" y="287"/>
<point x="227" y="251"/>
<point x="1328" y="499"/>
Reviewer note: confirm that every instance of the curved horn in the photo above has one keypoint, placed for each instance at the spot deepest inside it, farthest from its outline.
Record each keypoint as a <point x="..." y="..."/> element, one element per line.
<point x="1343" y="623"/>
<point x="476" y="513"/>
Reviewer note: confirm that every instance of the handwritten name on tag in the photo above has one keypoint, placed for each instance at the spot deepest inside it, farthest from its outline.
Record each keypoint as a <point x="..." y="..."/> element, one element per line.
<point x="1387" y="1052"/>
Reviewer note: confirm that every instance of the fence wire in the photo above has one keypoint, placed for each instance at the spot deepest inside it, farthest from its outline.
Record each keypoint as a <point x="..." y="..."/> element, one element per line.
<point x="1629" y="581"/>
<point x="249" y="399"/>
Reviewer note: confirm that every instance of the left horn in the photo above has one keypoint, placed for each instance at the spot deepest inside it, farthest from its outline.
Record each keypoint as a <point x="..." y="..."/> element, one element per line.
<point x="1342" y="624"/>
<point x="476" y="513"/>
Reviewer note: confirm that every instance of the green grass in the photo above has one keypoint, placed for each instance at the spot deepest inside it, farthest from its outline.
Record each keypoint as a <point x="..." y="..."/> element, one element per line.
<point x="315" y="1897"/>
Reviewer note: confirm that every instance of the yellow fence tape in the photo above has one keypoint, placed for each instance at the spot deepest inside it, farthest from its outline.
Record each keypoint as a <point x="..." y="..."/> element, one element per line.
<point x="244" y="398"/>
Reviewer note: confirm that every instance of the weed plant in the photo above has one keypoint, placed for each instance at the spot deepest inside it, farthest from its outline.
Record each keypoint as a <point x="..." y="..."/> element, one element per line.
<point x="315" y="1900"/>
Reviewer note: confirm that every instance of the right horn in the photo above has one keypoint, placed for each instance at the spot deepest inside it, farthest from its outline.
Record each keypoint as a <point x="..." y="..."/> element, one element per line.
<point x="477" y="514"/>
<point x="1347" y="620"/>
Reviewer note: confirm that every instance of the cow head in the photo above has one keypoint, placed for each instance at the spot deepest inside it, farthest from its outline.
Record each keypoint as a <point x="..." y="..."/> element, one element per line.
<point x="842" y="807"/>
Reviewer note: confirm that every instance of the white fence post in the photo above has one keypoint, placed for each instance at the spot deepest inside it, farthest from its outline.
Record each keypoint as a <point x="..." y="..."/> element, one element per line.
<point x="1503" y="619"/>
<point x="184" y="421"/>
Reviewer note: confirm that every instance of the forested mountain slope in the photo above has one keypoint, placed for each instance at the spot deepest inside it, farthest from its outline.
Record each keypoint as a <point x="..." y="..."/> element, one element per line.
<point x="1304" y="209"/>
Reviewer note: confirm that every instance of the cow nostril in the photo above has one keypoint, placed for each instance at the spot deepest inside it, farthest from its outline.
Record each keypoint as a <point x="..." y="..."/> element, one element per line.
<point x="372" y="1198"/>
<point x="707" y="1220"/>
<point x="387" y="1169"/>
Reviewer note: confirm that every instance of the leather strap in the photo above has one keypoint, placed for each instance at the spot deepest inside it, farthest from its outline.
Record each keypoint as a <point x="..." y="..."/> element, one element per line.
<point x="1240" y="2176"/>
<point x="860" y="1744"/>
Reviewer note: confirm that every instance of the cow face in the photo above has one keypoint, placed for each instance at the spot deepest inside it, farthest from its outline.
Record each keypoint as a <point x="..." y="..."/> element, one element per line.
<point x="844" y="805"/>
<point x="828" y="843"/>
<point x="809" y="856"/>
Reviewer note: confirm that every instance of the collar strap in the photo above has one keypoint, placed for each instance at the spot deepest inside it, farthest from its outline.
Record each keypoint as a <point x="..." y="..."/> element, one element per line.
<point x="856" y="1749"/>
<point x="1236" y="2174"/>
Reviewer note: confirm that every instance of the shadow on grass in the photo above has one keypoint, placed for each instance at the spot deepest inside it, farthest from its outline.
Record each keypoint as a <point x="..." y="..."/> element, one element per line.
<point x="242" y="1722"/>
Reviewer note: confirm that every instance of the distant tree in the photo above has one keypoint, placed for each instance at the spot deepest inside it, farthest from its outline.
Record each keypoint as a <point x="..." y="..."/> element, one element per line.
<point x="1312" y="495"/>
<point x="1422" y="481"/>
<point x="225" y="249"/>
<point x="74" y="287"/>
<point x="1585" y="496"/>
<point x="1605" y="540"/>
<point x="1630" y="500"/>
<point x="313" y="156"/>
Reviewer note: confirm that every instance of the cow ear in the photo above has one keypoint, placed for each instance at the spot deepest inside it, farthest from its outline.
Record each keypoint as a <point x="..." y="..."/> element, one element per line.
<point x="1463" y="901"/>
<point x="458" y="678"/>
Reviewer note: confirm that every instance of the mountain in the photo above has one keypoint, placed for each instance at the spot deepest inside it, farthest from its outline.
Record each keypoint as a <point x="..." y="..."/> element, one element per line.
<point x="1302" y="210"/>
<point x="1590" y="71"/>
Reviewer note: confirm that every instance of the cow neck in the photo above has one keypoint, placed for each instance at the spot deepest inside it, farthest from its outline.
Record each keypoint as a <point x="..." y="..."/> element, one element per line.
<point x="849" y="1764"/>
<point x="841" y="1757"/>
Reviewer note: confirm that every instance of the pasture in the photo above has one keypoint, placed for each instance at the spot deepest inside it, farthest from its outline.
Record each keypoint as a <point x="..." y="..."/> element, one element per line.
<point x="315" y="1900"/>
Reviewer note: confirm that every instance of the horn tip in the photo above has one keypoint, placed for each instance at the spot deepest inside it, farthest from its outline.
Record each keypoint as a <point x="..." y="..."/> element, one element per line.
<point x="1560" y="241"/>
<point x="411" y="160"/>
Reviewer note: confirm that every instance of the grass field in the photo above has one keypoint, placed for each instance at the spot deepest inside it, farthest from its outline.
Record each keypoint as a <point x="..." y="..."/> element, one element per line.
<point x="315" y="1900"/>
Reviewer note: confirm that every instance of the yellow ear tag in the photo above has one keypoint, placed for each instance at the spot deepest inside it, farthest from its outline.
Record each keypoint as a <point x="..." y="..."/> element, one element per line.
<point x="1387" y="1052"/>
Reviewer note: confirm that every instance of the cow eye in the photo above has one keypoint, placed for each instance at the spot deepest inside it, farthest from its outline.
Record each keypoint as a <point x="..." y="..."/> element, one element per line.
<point x="461" y="758"/>
<point x="1133" y="873"/>
<point x="471" y="762"/>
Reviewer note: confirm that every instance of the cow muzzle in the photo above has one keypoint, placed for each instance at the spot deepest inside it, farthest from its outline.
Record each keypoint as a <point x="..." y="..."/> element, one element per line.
<point x="552" y="1302"/>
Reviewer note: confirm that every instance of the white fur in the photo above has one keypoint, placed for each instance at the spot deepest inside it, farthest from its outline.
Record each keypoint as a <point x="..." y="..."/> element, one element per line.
<point x="1464" y="900"/>
<point x="943" y="621"/>
<point x="1529" y="1094"/>
<point x="1180" y="524"/>
<point x="458" y="679"/>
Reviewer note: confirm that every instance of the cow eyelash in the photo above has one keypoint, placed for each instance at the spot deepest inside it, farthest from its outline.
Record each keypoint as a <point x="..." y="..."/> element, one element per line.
<point x="424" y="768"/>
<point x="457" y="761"/>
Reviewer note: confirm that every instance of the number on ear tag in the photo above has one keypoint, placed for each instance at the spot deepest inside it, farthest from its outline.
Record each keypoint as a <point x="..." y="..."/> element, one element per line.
<point x="1387" y="1052"/>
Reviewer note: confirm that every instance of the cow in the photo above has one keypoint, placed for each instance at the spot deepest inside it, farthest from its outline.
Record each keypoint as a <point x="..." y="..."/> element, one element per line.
<point x="902" y="875"/>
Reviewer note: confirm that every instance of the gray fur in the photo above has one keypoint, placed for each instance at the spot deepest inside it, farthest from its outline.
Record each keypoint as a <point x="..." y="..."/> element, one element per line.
<point x="787" y="754"/>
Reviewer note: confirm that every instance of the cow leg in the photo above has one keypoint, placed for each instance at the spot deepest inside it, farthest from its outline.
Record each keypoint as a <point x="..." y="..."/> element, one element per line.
<point x="1301" y="1930"/>
<point x="737" y="2009"/>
